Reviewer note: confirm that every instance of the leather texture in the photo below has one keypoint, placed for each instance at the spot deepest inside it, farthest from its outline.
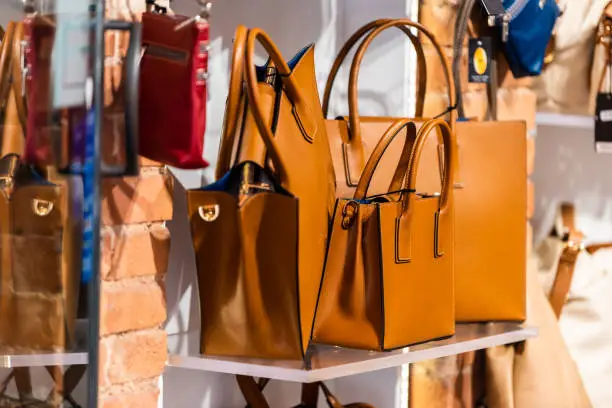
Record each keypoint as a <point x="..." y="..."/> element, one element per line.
<point x="353" y="138"/>
<point x="493" y="168"/>
<point x="389" y="269"/>
<point x="576" y="278"/>
<point x="173" y="73"/>
<point x="36" y="214"/>
<point x="281" y="278"/>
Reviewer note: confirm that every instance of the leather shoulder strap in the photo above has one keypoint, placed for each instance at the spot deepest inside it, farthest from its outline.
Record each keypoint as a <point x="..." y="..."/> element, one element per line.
<point x="572" y="246"/>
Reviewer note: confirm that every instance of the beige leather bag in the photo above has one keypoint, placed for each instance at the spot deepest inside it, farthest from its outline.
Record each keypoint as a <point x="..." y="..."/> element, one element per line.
<point x="388" y="279"/>
<point x="260" y="232"/>
<point x="578" y="281"/>
<point x="565" y="84"/>
<point x="539" y="372"/>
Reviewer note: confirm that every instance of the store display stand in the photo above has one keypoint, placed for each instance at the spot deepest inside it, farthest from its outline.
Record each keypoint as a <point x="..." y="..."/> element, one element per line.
<point x="327" y="363"/>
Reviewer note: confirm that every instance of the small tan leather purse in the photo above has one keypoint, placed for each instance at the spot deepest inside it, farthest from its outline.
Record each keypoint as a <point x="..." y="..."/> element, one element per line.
<point x="389" y="269"/>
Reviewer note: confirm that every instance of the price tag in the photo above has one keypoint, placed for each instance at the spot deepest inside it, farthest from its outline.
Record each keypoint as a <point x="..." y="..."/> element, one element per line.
<point x="480" y="53"/>
<point x="603" y="123"/>
<point x="71" y="47"/>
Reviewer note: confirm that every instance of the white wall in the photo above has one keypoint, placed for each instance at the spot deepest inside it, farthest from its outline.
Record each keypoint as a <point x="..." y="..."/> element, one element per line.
<point x="568" y="169"/>
<point x="385" y="88"/>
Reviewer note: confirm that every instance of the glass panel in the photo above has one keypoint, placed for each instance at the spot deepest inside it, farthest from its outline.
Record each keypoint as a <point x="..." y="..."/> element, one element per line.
<point x="45" y="64"/>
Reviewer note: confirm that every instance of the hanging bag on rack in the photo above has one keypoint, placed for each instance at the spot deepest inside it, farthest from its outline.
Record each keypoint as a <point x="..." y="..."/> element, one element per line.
<point x="254" y="207"/>
<point x="526" y="31"/>
<point x="353" y="138"/>
<point x="565" y="83"/>
<point x="173" y="76"/>
<point x="578" y="280"/>
<point x="35" y="214"/>
<point x="388" y="278"/>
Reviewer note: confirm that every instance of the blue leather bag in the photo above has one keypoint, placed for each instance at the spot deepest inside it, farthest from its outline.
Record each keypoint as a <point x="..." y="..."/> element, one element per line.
<point x="529" y="27"/>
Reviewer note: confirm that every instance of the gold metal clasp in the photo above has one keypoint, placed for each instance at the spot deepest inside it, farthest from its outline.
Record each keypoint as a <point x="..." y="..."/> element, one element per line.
<point x="209" y="213"/>
<point x="42" y="208"/>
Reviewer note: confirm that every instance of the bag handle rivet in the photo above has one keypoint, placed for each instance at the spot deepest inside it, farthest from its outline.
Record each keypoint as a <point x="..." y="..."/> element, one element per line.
<point x="348" y="214"/>
<point x="209" y="213"/>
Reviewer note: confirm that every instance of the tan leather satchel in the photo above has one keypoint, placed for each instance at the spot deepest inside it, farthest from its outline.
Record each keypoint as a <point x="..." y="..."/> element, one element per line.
<point x="254" y="208"/>
<point x="353" y="138"/>
<point x="389" y="269"/>
<point x="39" y="287"/>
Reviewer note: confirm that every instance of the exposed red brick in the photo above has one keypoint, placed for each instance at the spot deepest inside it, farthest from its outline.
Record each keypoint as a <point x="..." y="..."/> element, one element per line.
<point x="134" y="250"/>
<point x="132" y="304"/>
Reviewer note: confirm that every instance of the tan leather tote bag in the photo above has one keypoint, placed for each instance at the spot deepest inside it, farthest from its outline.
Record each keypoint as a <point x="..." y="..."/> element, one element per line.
<point x="491" y="208"/>
<point x="389" y="269"/>
<point x="40" y="255"/>
<point x="353" y="138"/>
<point x="273" y="249"/>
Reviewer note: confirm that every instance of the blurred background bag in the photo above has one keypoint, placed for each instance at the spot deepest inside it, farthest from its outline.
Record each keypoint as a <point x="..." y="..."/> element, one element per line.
<point x="566" y="82"/>
<point x="578" y="281"/>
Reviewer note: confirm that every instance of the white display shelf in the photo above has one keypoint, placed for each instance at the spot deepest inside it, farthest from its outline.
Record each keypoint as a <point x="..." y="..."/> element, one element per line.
<point x="333" y="362"/>
<point x="43" y="359"/>
<point x="78" y="356"/>
<point x="563" y="120"/>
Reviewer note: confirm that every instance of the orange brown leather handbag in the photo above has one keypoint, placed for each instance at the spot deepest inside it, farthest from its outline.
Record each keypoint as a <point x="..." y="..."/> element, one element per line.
<point x="389" y="269"/>
<point x="259" y="283"/>
<point x="491" y="207"/>
<point x="353" y="138"/>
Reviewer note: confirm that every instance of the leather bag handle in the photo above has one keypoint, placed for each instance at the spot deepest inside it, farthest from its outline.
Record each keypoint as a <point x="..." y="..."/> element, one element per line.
<point x="378" y="152"/>
<point x="5" y="62"/>
<point x="232" y="106"/>
<point x="461" y="29"/>
<point x="10" y="67"/>
<point x="301" y="111"/>
<point x="448" y="136"/>
<point x="17" y="78"/>
<point x="354" y="120"/>
<point x="132" y="87"/>
<point x="350" y="43"/>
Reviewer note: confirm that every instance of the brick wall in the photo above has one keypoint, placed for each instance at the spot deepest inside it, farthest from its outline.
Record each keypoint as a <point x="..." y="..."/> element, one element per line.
<point x="135" y="249"/>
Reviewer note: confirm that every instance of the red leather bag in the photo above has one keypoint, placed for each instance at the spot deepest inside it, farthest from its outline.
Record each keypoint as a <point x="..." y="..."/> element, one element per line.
<point x="173" y="74"/>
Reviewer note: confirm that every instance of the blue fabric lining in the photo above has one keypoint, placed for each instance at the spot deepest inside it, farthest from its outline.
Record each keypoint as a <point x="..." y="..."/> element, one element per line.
<point x="261" y="69"/>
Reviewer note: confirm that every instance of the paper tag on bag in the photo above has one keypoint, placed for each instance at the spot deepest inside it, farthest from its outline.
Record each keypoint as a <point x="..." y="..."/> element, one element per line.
<point x="603" y="123"/>
<point x="480" y="53"/>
